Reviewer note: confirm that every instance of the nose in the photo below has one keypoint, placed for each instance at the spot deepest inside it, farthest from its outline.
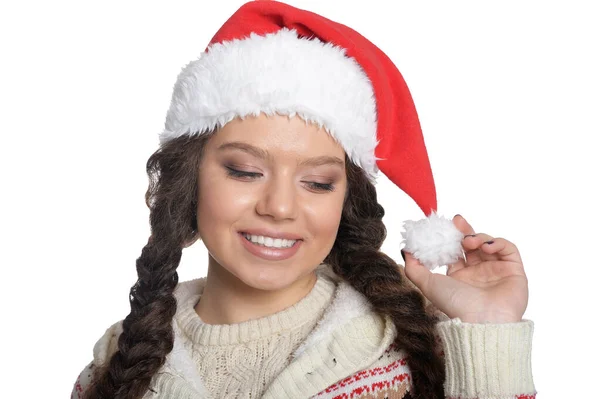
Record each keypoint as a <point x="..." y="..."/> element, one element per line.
<point x="278" y="199"/>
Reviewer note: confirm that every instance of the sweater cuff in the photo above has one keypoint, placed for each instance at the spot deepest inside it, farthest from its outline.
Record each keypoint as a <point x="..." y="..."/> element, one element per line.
<point x="487" y="360"/>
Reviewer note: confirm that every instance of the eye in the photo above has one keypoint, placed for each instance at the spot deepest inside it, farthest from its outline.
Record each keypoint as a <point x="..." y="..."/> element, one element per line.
<point x="239" y="173"/>
<point x="321" y="186"/>
<point x="253" y="175"/>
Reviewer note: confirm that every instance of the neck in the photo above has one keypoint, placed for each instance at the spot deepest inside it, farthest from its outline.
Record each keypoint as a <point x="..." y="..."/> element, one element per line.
<point x="227" y="300"/>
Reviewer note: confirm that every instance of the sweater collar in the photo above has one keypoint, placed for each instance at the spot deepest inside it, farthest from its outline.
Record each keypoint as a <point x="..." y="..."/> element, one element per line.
<point x="308" y="310"/>
<point x="348" y="338"/>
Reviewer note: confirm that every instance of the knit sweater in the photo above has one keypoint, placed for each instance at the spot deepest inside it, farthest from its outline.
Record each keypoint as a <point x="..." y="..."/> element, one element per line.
<point x="241" y="360"/>
<point x="348" y="354"/>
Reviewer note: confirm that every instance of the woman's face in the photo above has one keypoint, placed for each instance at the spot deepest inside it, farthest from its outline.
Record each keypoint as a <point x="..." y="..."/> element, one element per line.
<point x="264" y="178"/>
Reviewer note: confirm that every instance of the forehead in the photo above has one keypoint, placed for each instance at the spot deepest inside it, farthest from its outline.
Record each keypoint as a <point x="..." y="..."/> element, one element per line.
<point x="279" y="134"/>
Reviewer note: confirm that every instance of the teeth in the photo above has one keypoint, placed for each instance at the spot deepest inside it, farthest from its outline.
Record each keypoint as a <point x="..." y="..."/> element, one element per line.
<point x="269" y="241"/>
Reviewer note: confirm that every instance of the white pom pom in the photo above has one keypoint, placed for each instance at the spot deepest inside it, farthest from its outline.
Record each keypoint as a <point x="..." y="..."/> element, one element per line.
<point x="434" y="241"/>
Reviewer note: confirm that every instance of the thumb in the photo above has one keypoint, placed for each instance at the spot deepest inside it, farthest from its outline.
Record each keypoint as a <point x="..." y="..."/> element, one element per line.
<point x="439" y="289"/>
<point x="416" y="272"/>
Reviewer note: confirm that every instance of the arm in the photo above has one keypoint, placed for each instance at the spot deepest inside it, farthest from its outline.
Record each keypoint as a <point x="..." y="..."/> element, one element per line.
<point x="484" y="339"/>
<point x="487" y="360"/>
<point x="484" y="360"/>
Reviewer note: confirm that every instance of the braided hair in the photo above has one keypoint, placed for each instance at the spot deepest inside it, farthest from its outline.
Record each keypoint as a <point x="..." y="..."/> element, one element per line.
<point x="147" y="336"/>
<point x="356" y="258"/>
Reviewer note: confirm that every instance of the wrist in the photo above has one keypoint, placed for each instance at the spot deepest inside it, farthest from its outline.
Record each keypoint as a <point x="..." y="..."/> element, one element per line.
<point x="490" y="318"/>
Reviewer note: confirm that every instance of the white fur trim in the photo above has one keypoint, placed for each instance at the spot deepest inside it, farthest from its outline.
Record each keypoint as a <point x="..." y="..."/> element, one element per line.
<point x="107" y="345"/>
<point x="180" y="361"/>
<point x="347" y="304"/>
<point x="278" y="73"/>
<point x="434" y="241"/>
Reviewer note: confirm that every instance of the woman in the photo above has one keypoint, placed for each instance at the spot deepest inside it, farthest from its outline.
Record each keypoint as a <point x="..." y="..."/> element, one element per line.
<point x="269" y="152"/>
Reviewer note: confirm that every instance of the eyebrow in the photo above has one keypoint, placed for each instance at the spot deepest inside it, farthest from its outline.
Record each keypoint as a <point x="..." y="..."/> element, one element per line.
<point x="264" y="154"/>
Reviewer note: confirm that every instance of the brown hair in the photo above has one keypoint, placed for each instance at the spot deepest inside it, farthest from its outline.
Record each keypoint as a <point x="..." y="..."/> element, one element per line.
<point x="147" y="335"/>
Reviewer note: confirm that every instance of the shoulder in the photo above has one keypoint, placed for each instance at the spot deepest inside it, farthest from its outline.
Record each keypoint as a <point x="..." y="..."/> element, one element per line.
<point x="107" y="345"/>
<point x="104" y="348"/>
<point x="83" y="381"/>
<point x="167" y="383"/>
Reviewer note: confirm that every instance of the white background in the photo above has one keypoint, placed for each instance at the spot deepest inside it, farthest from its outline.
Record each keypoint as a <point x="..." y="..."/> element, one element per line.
<point x="507" y="93"/>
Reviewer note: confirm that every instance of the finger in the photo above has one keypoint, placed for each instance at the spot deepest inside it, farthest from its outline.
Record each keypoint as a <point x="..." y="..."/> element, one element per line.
<point x="472" y="252"/>
<point x="471" y="243"/>
<point x="416" y="272"/>
<point x="435" y="287"/>
<point x="501" y="249"/>
<point x="462" y="225"/>
<point x="474" y="241"/>
<point x="472" y="246"/>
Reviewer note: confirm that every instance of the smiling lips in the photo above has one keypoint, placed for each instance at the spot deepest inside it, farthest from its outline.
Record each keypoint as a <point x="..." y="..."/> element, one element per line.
<point x="270" y="248"/>
<point x="269" y="241"/>
<point x="274" y="234"/>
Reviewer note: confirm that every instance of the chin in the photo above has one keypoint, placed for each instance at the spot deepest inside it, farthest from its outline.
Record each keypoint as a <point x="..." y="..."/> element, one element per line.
<point x="268" y="278"/>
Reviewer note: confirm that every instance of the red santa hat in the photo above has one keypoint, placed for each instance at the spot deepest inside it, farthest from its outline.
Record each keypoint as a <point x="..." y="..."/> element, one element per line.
<point x="272" y="58"/>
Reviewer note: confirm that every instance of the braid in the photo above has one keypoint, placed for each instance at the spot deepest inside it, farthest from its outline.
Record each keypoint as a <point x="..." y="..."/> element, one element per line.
<point x="355" y="257"/>
<point x="147" y="336"/>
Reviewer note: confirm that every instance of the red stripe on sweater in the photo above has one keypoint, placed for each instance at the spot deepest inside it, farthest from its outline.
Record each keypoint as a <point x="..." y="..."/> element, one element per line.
<point x="372" y="387"/>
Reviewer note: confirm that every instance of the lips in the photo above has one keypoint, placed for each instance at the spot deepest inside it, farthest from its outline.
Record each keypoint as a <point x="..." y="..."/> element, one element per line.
<point x="268" y="241"/>
<point x="270" y="253"/>
<point x="272" y="234"/>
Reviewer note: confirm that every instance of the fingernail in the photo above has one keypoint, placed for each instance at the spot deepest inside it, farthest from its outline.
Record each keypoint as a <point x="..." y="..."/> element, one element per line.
<point x="402" y="253"/>
<point x="471" y="235"/>
<point x="489" y="242"/>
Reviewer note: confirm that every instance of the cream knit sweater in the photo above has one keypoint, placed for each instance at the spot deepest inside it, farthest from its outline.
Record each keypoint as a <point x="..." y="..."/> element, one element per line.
<point x="240" y="360"/>
<point x="348" y="354"/>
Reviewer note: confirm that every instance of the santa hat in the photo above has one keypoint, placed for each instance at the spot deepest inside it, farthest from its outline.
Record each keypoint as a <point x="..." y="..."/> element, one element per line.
<point x="272" y="58"/>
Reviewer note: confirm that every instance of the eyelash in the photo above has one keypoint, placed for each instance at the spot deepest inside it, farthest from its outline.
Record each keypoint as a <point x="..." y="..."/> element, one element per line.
<point x="315" y="186"/>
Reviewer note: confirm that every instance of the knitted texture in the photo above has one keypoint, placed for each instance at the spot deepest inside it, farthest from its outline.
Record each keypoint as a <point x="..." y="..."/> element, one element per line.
<point x="241" y="360"/>
<point x="388" y="377"/>
<point x="349" y="354"/>
<point x="487" y="360"/>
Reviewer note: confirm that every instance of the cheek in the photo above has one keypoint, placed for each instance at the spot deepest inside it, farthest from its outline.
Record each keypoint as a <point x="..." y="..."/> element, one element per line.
<point x="219" y="201"/>
<point x="324" y="219"/>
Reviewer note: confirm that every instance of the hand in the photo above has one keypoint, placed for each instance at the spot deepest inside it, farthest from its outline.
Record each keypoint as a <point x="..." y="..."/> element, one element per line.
<point x="489" y="286"/>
